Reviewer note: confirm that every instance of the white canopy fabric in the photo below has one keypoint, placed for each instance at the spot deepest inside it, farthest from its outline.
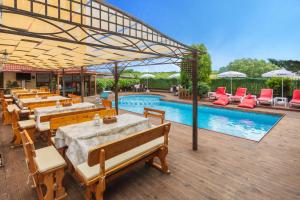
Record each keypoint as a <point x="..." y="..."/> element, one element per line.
<point x="231" y="74"/>
<point x="278" y="73"/>
<point x="281" y="73"/>
<point x="177" y="75"/>
<point x="78" y="33"/>
<point x="147" y="76"/>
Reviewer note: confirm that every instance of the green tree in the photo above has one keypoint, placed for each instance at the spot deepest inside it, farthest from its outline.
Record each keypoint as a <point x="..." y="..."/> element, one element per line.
<point x="291" y="65"/>
<point x="252" y="67"/>
<point x="204" y="67"/>
<point x="204" y="63"/>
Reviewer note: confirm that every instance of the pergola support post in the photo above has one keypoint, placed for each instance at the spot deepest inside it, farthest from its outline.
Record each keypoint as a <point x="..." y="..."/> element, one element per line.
<point x="195" y="100"/>
<point x="82" y="84"/>
<point x="116" y="77"/>
<point x="63" y="82"/>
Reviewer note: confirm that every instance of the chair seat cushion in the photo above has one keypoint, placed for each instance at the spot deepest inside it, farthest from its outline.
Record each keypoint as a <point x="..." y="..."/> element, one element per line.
<point x="48" y="158"/>
<point x="26" y="124"/>
<point x="44" y="126"/>
<point x="31" y="116"/>
<point x="52" y="140"/>
<point x="24" y="111"/>
<point x="89" y="173"/>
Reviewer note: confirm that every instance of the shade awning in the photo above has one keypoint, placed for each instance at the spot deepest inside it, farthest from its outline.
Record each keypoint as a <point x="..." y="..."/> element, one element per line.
<point x="62" y="34"/>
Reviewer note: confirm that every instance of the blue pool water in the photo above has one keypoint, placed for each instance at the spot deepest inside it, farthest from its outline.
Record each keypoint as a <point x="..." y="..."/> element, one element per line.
<point x="249" y="125"/>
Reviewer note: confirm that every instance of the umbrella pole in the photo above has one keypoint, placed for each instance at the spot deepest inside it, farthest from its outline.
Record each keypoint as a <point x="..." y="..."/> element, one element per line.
<point x="231" y="85"/>
<point x="282" y="87"/>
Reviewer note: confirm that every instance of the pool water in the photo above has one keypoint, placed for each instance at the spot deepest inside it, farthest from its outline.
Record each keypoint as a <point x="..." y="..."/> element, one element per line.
<point x="248" y="125"/>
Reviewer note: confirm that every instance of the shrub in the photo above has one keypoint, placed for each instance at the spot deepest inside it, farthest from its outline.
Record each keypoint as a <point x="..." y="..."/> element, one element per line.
<point x="105" y="84"/>
<point x="203" y="89"/>
<point x="160" y="83"/>
<point x="276" y="84"/>
<point x="253" y="85"/>
<point x="10" y="84"/>
<point x="124" y="84"/>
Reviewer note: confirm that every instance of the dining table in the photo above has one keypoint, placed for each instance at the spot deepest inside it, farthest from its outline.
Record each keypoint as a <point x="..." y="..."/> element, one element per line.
<point x="24" y="102"/>
<point x="81" y="137"/>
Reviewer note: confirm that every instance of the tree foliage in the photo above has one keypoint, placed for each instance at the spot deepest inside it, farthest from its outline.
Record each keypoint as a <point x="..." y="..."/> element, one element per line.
<point x="252" y="67"/>
<point x="290" y="65"/>
<point x="276" y="84"/>
<point x="204" y="67"/>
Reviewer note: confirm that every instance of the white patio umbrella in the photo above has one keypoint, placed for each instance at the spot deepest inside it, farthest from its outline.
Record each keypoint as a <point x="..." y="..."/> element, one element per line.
<point x="283" y="73"/>
<point x="177" y="75"/>
<point x="232" y="74"/>
<point x="147" y="76"/>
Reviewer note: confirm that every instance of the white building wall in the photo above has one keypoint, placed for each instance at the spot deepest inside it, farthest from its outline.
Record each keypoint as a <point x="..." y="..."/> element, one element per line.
<point x="11" y="76"/>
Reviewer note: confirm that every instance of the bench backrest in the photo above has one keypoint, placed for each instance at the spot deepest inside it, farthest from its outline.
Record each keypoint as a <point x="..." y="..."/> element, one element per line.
<point x="33" y="95"/>
<point x="79" y="117"/>
<point x="48" y="103"/>
<point x="160" y="114"/>
<point x="109" y="150"/>
<point x="47" y="118"/>
<point x="32" y="106"/>
<point x="29" y="151"/>
<point x="107" y="104"/>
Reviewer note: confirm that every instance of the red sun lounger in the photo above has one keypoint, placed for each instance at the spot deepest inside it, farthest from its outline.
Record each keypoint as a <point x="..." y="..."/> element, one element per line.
<point x="222" y="101"/>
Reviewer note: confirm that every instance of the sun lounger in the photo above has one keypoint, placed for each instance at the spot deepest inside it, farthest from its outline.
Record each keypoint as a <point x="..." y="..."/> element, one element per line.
<point x="266" y="96"/>
<point x="222" y="101"/>
<point x="296" y="98"/>
<point x="239" y="94"/>
<point x="248" y="102"/>
<point x="220" y="91"/>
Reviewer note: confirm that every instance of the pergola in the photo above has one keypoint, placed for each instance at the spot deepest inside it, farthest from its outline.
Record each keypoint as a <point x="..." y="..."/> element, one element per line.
<point x="62" y="34"/>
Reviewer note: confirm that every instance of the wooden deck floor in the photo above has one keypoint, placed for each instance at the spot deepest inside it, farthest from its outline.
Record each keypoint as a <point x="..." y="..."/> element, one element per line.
<point x="223" y="168"/>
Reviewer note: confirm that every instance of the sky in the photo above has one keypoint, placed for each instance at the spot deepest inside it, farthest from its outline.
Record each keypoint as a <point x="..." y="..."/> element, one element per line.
<point x="230" y="29"/>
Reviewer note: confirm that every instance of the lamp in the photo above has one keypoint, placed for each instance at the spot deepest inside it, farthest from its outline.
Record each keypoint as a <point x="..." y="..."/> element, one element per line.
<point x="4" y="59"/>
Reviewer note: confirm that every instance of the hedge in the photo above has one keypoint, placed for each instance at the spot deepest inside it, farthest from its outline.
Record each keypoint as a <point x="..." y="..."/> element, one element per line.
<point x="254" y="85"/>
<point x="160" y="83"/>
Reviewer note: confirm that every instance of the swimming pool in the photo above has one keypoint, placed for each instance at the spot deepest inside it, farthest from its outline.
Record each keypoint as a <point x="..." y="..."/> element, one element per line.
<point x="248" y="125"/>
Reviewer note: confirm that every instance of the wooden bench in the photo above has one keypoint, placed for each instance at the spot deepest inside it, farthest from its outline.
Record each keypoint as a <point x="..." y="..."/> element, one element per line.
<point x="46" y="167"/>
<point x="108" y="161"/>
<point x="160" y="114"/>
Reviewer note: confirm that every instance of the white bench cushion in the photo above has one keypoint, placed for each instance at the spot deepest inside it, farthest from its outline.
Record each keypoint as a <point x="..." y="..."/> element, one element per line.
<point x="31" y="116"/>
<point x="44" y="126"/>
<point x="48" y="158"/>
<point x="26" y="124"/>
<point x="89" y="173"/>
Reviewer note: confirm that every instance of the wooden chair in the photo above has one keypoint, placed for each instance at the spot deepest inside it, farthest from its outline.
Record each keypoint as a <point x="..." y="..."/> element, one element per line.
<point x="108" y="161"/>
<point x="46" y="167"/>
<point x="6" y="116"/>
<point x="19" y="126"/>
<point x="107" y="104"/>
<point x="160" y="114"/>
